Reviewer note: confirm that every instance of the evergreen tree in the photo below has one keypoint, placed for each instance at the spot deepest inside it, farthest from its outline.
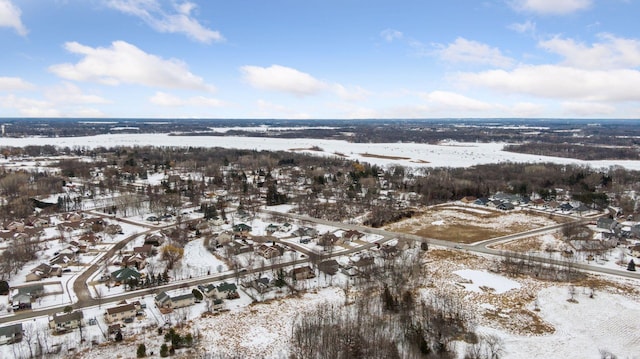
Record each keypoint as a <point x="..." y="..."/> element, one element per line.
<point x="164" y="350"/>
<point x="142" y="351"/>
<point x="632" y="266"/>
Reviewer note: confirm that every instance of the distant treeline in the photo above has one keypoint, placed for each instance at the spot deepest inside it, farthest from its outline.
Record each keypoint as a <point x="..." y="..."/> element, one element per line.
<point x="578" y="151"/>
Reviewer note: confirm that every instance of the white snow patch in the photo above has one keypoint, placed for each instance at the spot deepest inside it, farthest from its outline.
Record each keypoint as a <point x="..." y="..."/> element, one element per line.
<point x="484" y="279"/>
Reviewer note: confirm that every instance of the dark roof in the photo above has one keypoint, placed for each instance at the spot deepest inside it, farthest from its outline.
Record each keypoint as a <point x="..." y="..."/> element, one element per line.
<point x="73" y="316"/>
<point x="183" y="296"/>
<point x="124" y="274"/>
<point x="121" y="309"/>
<point x="10" y="330"/>
<point x="227" y="287"/>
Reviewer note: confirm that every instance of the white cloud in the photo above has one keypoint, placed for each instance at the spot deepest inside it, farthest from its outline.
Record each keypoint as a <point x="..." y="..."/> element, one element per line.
<point x="467" y="51"/>
<point x="611" y="53"/>
<point x="86" y="112"/>
<point x="14" y="84"/>
<point x="168" y="100"/>
<point x="282" y="79"/>
<point x="390" y="34"/>
<point x="550" y="7"/>
<point x="70" y="93"/>
<point x="179" y="20"/>
<point x="356" y="93"/>
<point x="445" y="100"/>
<point x="587" y="109"/>
<point x="125" y="63"/>
<point x="268" y="109"/>
<point x="10" y="17"/>
<point x="523" y="28"/>
<point x="527" y="109"/>
<point x="29" y="107"/>
<point x="561" y="82"/>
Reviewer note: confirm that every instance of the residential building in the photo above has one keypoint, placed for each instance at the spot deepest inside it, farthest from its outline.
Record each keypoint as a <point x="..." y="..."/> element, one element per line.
<point x="120" y="313"/>
<point x="11" y="334"/>
<point x="66" y="322"/>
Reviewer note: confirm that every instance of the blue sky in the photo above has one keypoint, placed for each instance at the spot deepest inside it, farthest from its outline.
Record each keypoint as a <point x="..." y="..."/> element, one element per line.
<point x="320" y="58"/>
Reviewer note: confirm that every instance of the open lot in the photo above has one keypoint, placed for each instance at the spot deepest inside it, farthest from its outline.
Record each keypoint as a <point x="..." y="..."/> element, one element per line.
<point x="470" y="224"/>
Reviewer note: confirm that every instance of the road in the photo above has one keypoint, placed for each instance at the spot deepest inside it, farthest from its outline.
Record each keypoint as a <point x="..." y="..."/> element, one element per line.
<point x="85" y="300"/>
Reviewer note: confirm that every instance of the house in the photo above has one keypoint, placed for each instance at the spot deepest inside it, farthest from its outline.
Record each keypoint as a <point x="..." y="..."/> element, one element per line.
<point x="239" y="246"/>
<point x="183" y="300"/>
<point x="261" y="284"/>
<point x="63" y="259"/>
<point x="81" y="246"/>
<point x="217" y="304"/>
<point x="468" y="199"/>
<point x="72" y="217"/>
<point x="565" y="207"/>
<point x="26" y="295"/>
<point x="223" y="238"/>
<point x="227" y="291"/>
<point x="113" y="229"/>
<point x="124" y="275"/>
<point x="302" y="273"/>
<point x="538" y="202"/>
<point x="268" y="252"/>
<point x="352" y="235"/>
<point x="580" y="209"/>
<point x="155" y="239"/>
<point x="42" y="271"/>
<point x="505" y="206"/>
<point x="305" y="232"/>
<point x="208" y="290"/>
<point x="163" y="300"/>
<point x="120" y="313"/>
<point x="330" y="267"/>
<point x="146" y="249"/>
<point x="242" y="229"/>
<point x="137" y="261"/>
<point x="10" y="334"/>
<point x="286" y="227"/>
<point x="65" y="322"/>
<point x="89" y="239"/>
<point x="482" y="201"/>
<point x="606" y="223"/>
<point x="272" y="228"/>
<point x="363" y="264"/>
<point x="328" y="240"/>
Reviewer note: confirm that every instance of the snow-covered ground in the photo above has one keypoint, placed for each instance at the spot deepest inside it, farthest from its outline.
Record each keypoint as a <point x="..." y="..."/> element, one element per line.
<point x="450" y="154"/>
<point x="607" y="321"/>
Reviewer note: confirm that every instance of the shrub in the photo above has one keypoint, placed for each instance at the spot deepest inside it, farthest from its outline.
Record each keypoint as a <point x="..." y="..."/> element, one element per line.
<point x="142" y="351"/>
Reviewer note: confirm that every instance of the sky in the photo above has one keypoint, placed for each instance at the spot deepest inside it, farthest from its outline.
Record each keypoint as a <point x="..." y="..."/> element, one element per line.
<point x="320" y="59"/>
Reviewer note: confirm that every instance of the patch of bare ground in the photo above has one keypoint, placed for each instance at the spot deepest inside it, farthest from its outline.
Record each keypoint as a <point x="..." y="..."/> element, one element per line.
<point x="511" y="311"/>
<point x="384" y="157"/>
<point x="525" y="245"/>
<point x="598" y="283"/>
<point x="470" y="224"/>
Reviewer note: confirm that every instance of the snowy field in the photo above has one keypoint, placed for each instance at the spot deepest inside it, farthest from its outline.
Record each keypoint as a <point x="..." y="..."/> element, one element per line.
<point x="450" y="154"/>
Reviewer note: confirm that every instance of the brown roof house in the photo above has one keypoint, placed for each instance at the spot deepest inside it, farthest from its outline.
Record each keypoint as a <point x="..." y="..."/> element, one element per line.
<point x="120" y="313"/>
<point x="302" y="273"/>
